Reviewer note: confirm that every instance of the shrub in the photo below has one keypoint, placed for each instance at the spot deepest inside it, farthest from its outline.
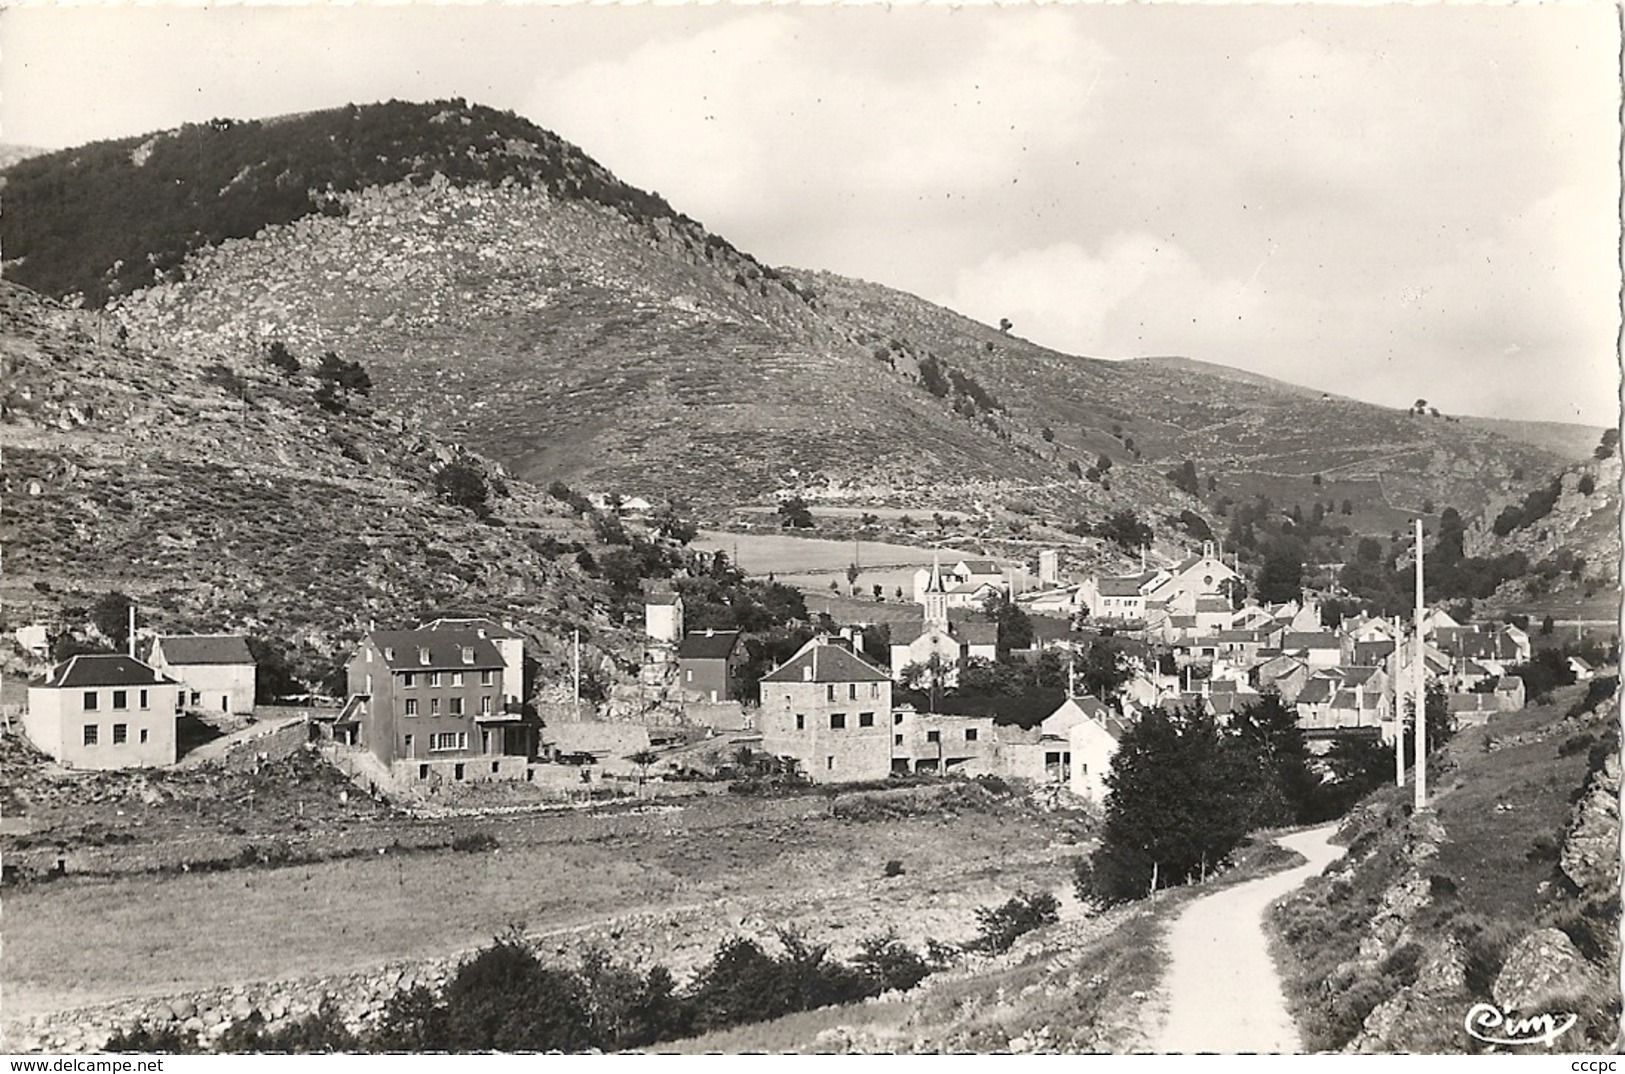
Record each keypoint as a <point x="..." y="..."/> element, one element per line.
<point x="894" y="868"/>
<point x="165" y="1040"/>
<point x="999" y="927"/>
<point x="474" y="842"/>
<point x="504" y="999"/>
<point x="889" y="964"/>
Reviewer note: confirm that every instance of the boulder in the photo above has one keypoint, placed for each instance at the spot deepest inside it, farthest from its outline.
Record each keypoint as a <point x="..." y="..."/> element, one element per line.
<point x="1544" y="966"/>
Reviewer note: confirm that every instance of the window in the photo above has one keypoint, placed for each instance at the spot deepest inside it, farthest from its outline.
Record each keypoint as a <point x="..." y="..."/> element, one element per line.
<point x="829" y="764"/>
<point x="851" y="691"/>
<point x="933" y="736"/>
<point x="971" y="734"/>
<point x="837" y="721"/>
<point x="423" y="655"/>
<point x="485" y="705"/>
<point x="197" y="697"/>
<point x="468" y="654"/>
<point x="897" y="740"/>
<point x="456" y="706"/>
<point x="801" y="722"/>
<point x="143" y="734"/>
<point x="121" y="734"/>
<point x="488" y="678"/>
<point x="457" y="771"/>
<point x="866" y="719"/>
<point x="434" y="706"/>
<point x="448" y="740"/>
<point x="121" y="699"/>
<point x="143" y="698"/>
<point x="92" y="734"/>
<point x="409" y="679"/>
<point x="389" y="652"/>
<point x="434" y="678"/>
<point x="688" y="674"/>
<point x="90" y="701"/>
<point x="411" y="707"/>
<point x="829" y="692"/>
<point x="423" y="771"/>
<point x="874" y="689"/>
<point x="897" y="717"/>
<point x="457" y="678"/>
<point x="409" y="744"/>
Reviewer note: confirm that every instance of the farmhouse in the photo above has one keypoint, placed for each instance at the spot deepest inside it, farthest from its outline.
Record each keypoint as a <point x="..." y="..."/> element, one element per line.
<point x="831" y="711"/>
<point x="934" y="742"/>
<point x="104" y="711"/>
<point x="216" y="669"/>
<point x="509" y="642"/>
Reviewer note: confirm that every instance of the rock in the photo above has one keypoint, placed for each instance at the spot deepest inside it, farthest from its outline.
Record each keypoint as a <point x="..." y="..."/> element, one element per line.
<point x="183" y="1009"/>
<point x="1444" y="971"/>
<point x="1543" y="966"/>
<point x="1590" y="855"/>
<point x="193" y="1024"/>
<point x="1020" y="1045"/>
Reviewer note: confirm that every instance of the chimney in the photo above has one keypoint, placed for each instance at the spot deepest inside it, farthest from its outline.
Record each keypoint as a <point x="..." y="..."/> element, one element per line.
<point x="710" y="632"/>
<point x="132" y="629"/>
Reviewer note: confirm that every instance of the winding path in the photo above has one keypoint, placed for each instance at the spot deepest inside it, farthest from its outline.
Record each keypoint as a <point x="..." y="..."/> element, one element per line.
<point x="1222" y="991"/>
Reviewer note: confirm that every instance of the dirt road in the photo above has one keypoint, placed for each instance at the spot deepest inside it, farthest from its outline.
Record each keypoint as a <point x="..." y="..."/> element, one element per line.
<point x="1222" y="993"/>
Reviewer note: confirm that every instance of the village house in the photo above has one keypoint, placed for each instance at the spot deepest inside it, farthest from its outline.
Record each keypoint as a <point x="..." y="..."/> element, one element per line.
<point x="217" y="670"/>
<point x="936" y="742"/>
<point x="1286" y="675"/>
<point x="1318" y="649"/>
<point x="709" y="663"/>
<point x="104" y="710"/>
<point x="831" y="711"/>
<point x="1582" y="669"/>
<point x="431" y="704"/>
<point x="509" y="642"/>
<point x="1092" y="744"/>
<point x="663" y="617"/>
<point x="1119" y="598"/>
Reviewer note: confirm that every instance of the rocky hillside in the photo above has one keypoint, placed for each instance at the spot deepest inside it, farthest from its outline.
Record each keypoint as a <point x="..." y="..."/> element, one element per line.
<point x="509" y="293"/>
<point x="215" y="492"/>
<point x="1504" y="892"/>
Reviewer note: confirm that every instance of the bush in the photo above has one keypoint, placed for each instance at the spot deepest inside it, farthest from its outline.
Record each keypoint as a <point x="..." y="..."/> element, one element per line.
<point x="999" y="927"/>
<point x="474" y="842"/>
<point x="165" y="1040"/>
<point x="894" y="868"/>
<point x="889" y="964"/>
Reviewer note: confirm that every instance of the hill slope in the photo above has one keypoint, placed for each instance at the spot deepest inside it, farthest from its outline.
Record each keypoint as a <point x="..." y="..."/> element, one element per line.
<point x="220" y="497"/>
<point x="509" y="293"/>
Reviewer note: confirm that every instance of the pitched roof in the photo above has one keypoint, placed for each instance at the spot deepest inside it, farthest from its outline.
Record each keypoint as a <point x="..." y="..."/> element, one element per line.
<point x="1359" y="675"/>
<point x="1368" y="651"/>
<point x="972" y="587"/>
<point x="403" y="649"/>
<point x="707" y="644"/>
<point x="1508" y="684"/>
<point x="981" y="566"/>
<point x="1473" y="703"/>
<point x="1309" y="639"/>
<point x="206" y="649"/>
<point x="104" y="669"/>
<point x="977" y="633"/>
<point x="1128" y="585"/>
<point x="478" y="624"/>
<point x="1212" y="604"/>
<point x="818" y="662"/>
<point x="1316" y="691"/>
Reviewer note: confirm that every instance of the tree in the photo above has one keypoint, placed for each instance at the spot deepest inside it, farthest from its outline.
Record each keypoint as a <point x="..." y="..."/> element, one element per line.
<point x="461" y="484"/>
<point x="1015" y="628"/>
<point x="1546" y="627"/>
<point x="1048" y="434"/>
<point x="1124" y="529"/>
<point x="1315" y="481"/>
<point x="670" y="524"/>
<point x="1104" y="463"/>
<point x="346" y="377"/>
<point x="795" y="514"/>
<point x="1105" y="669"/>
<point x="279" y="357"/>
<point x="1272" y="747"/>
<point x="111" y="617"/>
<point x="1347" y="508"/>
<point x="1608" y="445"/>
<point x="1184" y="478"/>
<point x="1449" y="547"/>
<point x="1280" y="579"/>
<point x="1176" y="807"/>
<point x="1005" y="325"/>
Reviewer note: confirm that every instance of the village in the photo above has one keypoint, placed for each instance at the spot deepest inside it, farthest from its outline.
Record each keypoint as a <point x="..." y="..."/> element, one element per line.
<point x="445" y="705"/>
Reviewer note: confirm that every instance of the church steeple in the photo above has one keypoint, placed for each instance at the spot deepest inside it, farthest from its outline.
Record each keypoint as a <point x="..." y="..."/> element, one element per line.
<point x="936" y="597"/>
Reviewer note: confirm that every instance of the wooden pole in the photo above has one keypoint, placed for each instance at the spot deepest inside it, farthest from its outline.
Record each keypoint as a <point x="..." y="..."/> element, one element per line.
<point x="1419" y="680"/>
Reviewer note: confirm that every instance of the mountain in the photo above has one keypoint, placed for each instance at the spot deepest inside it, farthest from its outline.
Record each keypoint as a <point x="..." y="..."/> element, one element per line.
<point x="506" y="292"/>
<point x="223" y="497"/>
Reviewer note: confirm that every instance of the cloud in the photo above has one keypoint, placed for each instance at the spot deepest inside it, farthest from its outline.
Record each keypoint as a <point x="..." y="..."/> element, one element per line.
<point x="739" y="121"/>
<point x="1137" y="294"/>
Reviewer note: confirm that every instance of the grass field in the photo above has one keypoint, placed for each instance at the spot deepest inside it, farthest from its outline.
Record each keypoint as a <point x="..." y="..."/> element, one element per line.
<point x="676" y="882"/>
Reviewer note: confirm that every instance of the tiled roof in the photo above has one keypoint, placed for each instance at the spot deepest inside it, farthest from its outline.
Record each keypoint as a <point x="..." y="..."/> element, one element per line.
<point x="206" y="649"/>
<point x="1309" y="639"/>
<point x="707" y="645"/>
<point x="1359" y="675"/>
<point x="1212" y="604"/>
<point x="981" y="566"/>
<point x="104" y="669"/>
<point x="977" y="633"/>
<point x="403" y="649"/>
<point x="827" y="663"/>
<point x="1316" y="691"/>
<point x="1124" y="585"/>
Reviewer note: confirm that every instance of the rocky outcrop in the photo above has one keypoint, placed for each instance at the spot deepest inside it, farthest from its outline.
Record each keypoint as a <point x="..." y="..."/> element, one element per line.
<point x="1543" y="967"/>
<point x="1590" y="855"/>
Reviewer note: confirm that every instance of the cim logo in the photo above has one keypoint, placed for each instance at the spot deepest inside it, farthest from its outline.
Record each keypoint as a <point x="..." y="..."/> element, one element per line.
<point x="1493" y="1025"/>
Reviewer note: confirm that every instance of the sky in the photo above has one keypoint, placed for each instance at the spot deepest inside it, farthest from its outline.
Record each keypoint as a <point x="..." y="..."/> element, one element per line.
<point x="1389" y="203"/>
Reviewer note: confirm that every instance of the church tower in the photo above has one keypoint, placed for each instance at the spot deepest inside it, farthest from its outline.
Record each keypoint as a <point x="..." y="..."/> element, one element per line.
<point x="936" y="598"/>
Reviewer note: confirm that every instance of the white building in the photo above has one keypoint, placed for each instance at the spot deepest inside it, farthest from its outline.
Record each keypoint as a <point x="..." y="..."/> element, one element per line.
<point x="104" y="711"/>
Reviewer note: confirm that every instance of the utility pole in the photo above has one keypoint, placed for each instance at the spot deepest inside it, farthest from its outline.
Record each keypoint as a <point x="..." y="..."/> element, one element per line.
<point x="130" y="641"/>
<point x="577" y="666"/>
<point x="1419" y="676"/>
<point x="1399" y="710"/>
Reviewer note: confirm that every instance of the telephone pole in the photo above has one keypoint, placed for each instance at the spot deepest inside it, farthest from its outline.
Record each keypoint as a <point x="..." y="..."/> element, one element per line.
<point x="1419" y="682"/>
